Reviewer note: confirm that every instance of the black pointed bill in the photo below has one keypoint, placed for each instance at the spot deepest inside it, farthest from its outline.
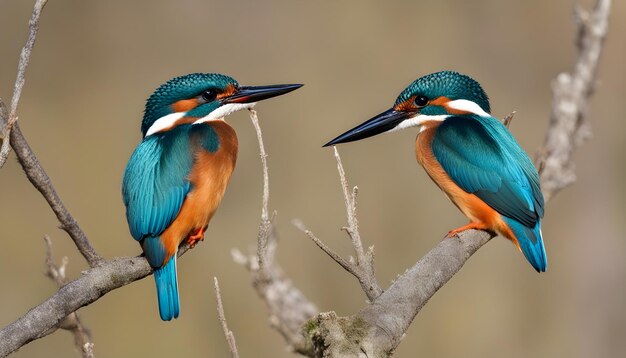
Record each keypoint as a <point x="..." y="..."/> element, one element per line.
<point x="383" y="122"/>
<point x="258" y="93"/>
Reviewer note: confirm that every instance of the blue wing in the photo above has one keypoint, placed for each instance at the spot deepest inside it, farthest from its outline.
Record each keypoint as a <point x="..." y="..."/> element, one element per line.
<point x="155" y="182"/>
<point x="481" y="156"/>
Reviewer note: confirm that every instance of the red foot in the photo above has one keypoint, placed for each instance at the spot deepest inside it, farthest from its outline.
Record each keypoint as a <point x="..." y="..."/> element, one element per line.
<point x="193" y="238"/>
<point x="472" y="225"/>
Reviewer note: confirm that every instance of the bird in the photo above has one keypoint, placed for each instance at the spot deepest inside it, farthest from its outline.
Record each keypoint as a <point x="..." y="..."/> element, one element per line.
<point x="176" y="177"/>
<point x="470" y="155"/>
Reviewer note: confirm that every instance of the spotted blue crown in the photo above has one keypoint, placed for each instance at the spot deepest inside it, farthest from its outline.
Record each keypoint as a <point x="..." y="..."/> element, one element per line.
<point x="179" y="88"/>
<point x="449" y="84"/>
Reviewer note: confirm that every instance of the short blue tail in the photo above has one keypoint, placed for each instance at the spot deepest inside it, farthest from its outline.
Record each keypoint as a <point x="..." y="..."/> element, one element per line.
<point x="167" y="290"/>
<point x="531" y="243"/>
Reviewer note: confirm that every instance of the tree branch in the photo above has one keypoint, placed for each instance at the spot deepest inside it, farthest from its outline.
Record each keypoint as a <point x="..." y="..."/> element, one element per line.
<point x="230" y="337"/>
<point x="33" y="26"/>
<point x="40" y="180"/>
<point x="363" y="266"/>
<point x="90" y="286"/>
<point x="33" y="169"/>
<point x="288" y="308"/>
<point x="72" y="322"/>
<point x="568" y="127"/>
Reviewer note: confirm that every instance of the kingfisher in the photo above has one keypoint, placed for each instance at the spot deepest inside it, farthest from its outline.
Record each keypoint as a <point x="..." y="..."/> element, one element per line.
<point x="470" y="155"/>
<point x="176" y="177"/>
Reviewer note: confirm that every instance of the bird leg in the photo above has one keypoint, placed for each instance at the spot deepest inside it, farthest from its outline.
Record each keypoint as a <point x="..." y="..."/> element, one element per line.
<point x="196" y="236"/>
<point x="471" y="225"/>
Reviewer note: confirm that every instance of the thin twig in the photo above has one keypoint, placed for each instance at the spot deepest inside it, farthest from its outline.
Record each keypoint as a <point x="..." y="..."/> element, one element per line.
<point x="266" y="186"/>
<point x="288" y="308"/>
<point x="265" y="227"/>
<point x="33" y="169"/>
<point x="363" y="267"/>
<point x="33" y="26"/>
<point x="230" y="337"/>
<point x="40" y="180"/>
<point x="508" y="119"/>
<point x="72" y="322"/>
<point x="333" y="255"/>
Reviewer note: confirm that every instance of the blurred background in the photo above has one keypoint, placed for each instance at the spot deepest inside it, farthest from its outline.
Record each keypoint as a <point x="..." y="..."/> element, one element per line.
<point x="95" y="63"/>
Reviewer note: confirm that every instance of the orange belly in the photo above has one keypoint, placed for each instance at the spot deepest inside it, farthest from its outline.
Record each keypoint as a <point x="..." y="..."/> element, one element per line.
<point x="209" y="178"/>
<point x="472" y="206"/>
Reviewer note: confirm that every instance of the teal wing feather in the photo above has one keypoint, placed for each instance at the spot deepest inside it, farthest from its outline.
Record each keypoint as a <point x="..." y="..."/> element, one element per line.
<point x="481" y="156"/>
<point x="155" y="182"/>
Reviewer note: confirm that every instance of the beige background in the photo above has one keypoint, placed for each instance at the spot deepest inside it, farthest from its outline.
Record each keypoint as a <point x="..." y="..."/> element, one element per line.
<point x="96" y="62"/>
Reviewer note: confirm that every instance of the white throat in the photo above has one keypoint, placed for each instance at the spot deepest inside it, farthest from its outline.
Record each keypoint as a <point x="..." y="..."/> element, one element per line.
<point x="168" y="121"/>
<point x="164" y="122"/>
<point x="418" y="121"/>
<point x="224" y="110"/>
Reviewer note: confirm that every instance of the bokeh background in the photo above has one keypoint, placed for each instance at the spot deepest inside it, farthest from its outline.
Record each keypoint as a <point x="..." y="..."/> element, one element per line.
<point x="95" y="63"/>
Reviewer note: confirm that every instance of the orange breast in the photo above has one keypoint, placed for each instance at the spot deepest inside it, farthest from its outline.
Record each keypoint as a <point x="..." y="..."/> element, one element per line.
<point x="471" y="205"/>
<point x="210" y="176"/>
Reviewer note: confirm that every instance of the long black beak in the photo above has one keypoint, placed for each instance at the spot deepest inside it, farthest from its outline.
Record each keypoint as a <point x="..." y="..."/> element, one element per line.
<point x="259" y="93"/>
<point x="379" y="124"/>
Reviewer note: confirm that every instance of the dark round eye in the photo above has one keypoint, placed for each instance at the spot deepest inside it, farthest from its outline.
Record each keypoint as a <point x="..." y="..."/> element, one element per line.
<point x="209" y="95"/>
<point x="421" y="101"/>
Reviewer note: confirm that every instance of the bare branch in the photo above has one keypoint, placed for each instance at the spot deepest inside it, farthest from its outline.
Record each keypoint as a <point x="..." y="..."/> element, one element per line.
<point x="363" y="267"/>
<point x="230" y="337"/>
<point x="266" y="187"/>
<point x="33" y="26"/>
<point x="508" y="119"/>
<point x="72" y="323"/>
<point x="12" y="135"/>
<point x="568" y="127"/>
<point x="265" y="227"/>
<point x="90" y="286"/>
<point x="40" y="180"/>
<point x="333" y="255"/>
<point x="288" y="307"/>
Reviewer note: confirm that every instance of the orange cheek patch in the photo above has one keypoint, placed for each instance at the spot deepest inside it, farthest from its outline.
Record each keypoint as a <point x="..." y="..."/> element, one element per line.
<point x="408" y="105"/>
<point x="439" y="101"/>
<point x="229" y="91"/>
<point x="185" y="105"/>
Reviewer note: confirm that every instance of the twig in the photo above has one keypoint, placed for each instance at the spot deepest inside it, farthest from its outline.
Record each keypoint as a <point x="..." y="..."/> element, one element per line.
<point x="34" y="171"/>
<point x="266" y="186"/>
<point x="230" y="337"/>
<point x="265" y="227"/>
<point x="568" y="127"/>
<point x="363" y="267"/>
<point x="333" y="255"/>
<point x="33" y="26"/>
<point x="72" y="322"/>
<point x="508" y="119"/>
<point x="40" y="180"/>
<point x="288" y="308"/>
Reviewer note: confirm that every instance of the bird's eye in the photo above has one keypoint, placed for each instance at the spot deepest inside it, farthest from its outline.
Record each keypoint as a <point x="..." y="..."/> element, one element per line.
<point x="421" y="101"/>
<point x="209" y="95"/>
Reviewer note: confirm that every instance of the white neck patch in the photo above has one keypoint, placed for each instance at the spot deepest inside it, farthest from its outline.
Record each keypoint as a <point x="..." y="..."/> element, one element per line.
<point x="418" y="121"/>
<point x="164" y="122"/>
<point x="224" y="110"/>
<point x="467" y="106"/>
<point x="169" y="120"/>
